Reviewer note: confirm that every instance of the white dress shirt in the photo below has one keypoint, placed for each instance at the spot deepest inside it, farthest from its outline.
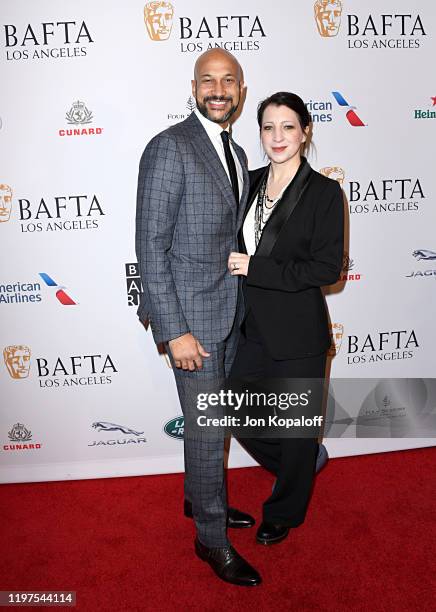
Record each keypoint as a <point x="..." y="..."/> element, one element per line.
<point x="248" y="227"/>
<point x="214" y="130"/>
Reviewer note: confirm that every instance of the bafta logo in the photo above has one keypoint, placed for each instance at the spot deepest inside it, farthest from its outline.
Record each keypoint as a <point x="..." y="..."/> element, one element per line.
<point x="334" y="172"/>
<point x="328" y="17"/>
<point x="158" y="17"/>
<point x="336" y="334"/>
<point x="5" y="203"/>
<point x="17" y="360"/>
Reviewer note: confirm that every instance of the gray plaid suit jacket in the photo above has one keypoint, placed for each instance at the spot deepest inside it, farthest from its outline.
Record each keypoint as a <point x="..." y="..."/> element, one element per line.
<point x="187" y="222"/>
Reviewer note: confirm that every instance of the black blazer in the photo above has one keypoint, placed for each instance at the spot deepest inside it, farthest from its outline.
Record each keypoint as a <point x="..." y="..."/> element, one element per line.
<point x="300" y="250"/>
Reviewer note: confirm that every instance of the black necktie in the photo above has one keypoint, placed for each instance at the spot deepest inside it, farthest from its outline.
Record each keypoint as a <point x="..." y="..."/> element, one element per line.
<point x="230" y="165"/>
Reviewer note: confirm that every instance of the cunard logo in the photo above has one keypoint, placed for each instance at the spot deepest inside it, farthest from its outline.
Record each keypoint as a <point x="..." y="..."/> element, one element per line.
<point x="347" y="267"/>
<point x="79" y="115"/>
<point x="19" y="433"/>
<point x="20" y="436"/>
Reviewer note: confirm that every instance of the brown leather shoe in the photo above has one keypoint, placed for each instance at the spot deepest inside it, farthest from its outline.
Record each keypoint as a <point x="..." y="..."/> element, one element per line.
<point x="235" y="518"/>
<point x="228" y="565"/>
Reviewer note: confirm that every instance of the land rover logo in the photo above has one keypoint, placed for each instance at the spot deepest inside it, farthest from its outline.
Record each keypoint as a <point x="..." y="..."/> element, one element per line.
<point x="175" y="427"/>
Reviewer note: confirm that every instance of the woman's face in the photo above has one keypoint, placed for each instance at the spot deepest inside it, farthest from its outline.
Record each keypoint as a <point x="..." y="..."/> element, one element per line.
<point x="281" y="133"/>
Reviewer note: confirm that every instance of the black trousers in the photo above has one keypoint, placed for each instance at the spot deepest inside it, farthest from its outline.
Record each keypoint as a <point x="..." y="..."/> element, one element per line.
<point x="292" y="460"/>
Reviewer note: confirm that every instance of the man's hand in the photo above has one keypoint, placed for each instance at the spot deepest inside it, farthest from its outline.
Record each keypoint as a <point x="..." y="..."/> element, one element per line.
<point x="187" y="352"/>
<point x="238" y="264"/>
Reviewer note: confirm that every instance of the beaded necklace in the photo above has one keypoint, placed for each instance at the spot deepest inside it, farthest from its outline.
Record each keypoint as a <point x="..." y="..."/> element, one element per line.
<point x="263" y="211"/>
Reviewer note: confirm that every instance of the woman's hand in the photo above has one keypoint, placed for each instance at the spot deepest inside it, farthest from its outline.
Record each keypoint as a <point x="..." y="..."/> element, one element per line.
<point x="238" y="264"/>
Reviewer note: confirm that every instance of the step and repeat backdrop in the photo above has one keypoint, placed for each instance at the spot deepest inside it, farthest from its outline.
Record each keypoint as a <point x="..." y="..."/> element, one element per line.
<point x="84" y="390"/>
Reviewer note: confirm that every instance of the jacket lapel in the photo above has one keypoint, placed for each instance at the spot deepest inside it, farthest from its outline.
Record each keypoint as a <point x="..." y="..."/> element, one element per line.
<point x="284" y="209"/>
<point x="246" y="186"/>
<point x="254" y="190"/>
<point x="207" y="152"/>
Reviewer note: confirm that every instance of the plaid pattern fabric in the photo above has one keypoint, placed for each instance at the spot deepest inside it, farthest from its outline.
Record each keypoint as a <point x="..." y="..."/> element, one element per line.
<point x="186" y="226"/>
<point x="204" y="447"/>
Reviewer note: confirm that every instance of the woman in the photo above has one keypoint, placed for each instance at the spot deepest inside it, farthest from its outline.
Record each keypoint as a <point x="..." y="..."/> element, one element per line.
<point x="291" y="246"/>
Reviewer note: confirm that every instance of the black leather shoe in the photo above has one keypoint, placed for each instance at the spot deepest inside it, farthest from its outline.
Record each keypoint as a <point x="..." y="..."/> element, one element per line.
<point x="235" y="518"/>
<point x="228" y="565"/>
<point x="271" y="533"/>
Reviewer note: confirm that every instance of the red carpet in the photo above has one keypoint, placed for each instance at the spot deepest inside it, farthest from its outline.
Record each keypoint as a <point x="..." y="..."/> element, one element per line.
<point x="123" y="544"/>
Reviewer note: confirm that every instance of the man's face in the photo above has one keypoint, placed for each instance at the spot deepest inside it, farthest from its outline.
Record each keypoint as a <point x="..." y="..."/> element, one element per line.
<point x="5" y="203"/>
<point x="158" y="18"/>
<point x="328" y="17"/>
<point x="17" y="360"/>
<point x="217" y="88"/>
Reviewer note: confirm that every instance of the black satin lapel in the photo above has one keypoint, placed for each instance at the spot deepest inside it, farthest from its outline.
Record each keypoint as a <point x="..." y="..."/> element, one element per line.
<point x="209" y="155"/>
<point x="284" y="209"/>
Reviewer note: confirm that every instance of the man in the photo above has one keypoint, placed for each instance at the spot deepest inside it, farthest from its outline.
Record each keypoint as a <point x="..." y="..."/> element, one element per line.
<point x="192" y="191"/>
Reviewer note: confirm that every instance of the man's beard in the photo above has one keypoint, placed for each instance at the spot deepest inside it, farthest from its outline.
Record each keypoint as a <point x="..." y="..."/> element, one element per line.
<point x="203" y="108"/>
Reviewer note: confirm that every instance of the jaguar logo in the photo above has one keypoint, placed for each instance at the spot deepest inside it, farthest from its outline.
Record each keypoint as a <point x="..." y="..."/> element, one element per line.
<point x="424" y="254"/>
<point x="105" y="426"/>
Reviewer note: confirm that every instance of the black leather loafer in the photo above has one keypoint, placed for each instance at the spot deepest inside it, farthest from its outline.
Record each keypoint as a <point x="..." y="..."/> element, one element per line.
<point x="228" y="565"/>
<point x="271" y="533"/>
<point x="235" y="518"/>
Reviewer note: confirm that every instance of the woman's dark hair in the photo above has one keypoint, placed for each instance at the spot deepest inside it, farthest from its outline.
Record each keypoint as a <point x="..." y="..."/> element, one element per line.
<point x="285" y="98"/>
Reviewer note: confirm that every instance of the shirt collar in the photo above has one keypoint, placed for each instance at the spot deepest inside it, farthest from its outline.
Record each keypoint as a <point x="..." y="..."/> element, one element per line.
<point x="213" y="129"/>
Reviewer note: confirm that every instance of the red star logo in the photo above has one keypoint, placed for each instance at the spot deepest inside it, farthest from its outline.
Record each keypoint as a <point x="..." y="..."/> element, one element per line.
<point x="434" y="100"/>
